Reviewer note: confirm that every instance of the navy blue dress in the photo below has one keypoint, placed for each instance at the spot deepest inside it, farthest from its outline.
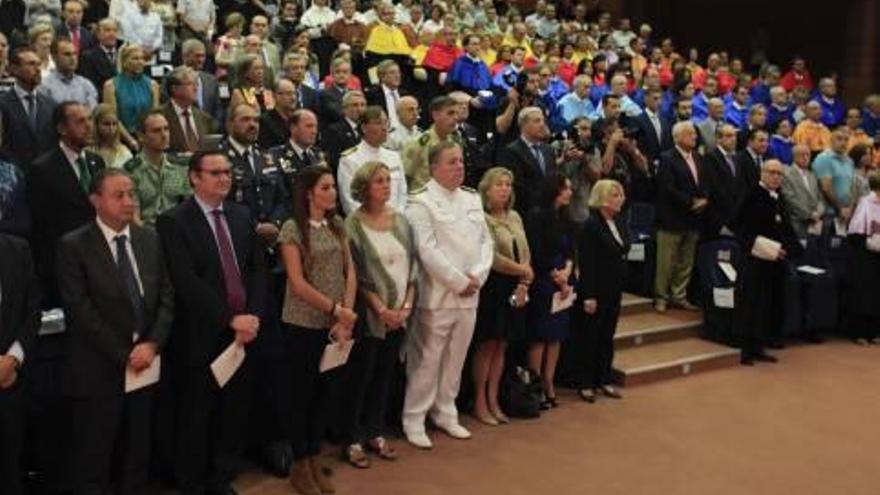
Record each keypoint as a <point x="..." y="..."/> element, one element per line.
<point x="552" y="245"/>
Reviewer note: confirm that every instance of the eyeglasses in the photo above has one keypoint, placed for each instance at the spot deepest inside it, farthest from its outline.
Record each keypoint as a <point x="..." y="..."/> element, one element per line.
<point x="226" y="172"/>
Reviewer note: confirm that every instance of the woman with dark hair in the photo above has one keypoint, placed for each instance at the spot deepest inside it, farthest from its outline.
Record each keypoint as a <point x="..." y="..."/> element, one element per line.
<point x="550" y="233"/>
<point x="384" y="255"/>
<point x="318" y="308"/>
<point x="250" y="74"/>
<point x="863" y="161"/>
<point x="602" y="249"/>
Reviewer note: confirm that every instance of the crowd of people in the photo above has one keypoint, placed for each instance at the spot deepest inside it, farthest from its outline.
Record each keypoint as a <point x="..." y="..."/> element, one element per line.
<point x="260" y="241"/>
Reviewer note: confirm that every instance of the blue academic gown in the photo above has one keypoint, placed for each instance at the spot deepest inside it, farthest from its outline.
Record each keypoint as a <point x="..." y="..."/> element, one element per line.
<point x="833" y="114"/>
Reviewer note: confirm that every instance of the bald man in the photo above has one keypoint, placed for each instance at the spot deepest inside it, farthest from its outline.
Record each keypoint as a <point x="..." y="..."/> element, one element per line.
<point x="408" y="115"/>
<point x="760" y="299"/>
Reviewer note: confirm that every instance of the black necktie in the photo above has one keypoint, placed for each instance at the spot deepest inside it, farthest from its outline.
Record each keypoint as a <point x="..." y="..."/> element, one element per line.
<point x="246" y="155"/>
<point x="31" y="111"/>
<point x="126" y="273"/>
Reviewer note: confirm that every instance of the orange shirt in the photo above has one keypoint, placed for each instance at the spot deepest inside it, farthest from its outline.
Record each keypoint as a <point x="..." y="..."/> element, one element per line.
<point x="815" y="135"/>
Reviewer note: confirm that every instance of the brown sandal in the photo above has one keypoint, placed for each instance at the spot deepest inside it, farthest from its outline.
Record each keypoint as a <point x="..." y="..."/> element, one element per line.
<point x="382" y="448"/>
<point x="356" y="456"/>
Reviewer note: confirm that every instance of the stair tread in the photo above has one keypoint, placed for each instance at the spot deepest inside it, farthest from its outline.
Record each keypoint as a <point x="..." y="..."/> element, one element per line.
<point x="644" y="322"/>
<point x="632" y="300"/>
<point x="669" y="354"/>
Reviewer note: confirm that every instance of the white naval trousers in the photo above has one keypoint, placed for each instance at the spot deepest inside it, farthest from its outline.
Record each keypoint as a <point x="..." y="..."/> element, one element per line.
<point x="435" y="354"/>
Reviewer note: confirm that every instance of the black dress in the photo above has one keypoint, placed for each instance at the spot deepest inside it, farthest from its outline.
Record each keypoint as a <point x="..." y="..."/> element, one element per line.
<point x="497" y="318"/>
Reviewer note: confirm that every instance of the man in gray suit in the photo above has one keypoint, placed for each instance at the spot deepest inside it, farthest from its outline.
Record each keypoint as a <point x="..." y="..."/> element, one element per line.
<point x="207" y="88"/>
<point x="709" y="127"/>
<point x="118" y="303"/>
<point x="800" y="192"/>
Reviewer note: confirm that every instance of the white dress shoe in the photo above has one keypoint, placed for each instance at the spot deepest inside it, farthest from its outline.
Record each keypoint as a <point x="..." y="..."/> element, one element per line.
<point x="456" y="431"/>
<point x="419" y="439"/>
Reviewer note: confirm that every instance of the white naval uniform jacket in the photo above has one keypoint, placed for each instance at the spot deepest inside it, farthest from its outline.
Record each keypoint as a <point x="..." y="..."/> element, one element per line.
<point x="452" y="240"/>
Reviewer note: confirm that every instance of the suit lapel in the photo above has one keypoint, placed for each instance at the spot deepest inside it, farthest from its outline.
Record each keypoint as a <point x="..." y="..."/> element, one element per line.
<point x="143" y="260"/>
<point x="105" y="256"/>
<point x="19" y="112"/>
<point x="203" y="232"/>
<point x="529" y="157"/>
<point x="177" y="136"/>
<point x="67" y="179"/>
<point x="238" y="230"/>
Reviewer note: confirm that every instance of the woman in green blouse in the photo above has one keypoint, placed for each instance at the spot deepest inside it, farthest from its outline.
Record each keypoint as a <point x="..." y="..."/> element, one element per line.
<point x="384" y="257"/>
<point x="501" y="314"/>
<point x="318" y="309"/>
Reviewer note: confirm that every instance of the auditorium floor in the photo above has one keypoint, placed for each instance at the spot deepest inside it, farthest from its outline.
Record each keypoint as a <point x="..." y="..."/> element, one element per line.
<point x="808" y="425"/>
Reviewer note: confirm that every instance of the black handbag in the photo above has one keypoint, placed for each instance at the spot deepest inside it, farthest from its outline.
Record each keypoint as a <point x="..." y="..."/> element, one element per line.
<point x="521" y="393"/>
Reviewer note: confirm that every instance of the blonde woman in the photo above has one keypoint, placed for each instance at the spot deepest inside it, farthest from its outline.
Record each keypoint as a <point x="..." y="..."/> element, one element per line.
<point x="501" y="313"/>
<point x="384" y="255"/>
<point x="131" y="92"/>
<point x="602" y="249"/>
<point x="108" y="144"/>
<point x="40" y="38"/>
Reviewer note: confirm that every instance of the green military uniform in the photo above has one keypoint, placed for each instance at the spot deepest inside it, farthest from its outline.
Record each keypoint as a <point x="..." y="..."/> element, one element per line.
<point x="157" y="189"/>
<point x="415" y="157"/>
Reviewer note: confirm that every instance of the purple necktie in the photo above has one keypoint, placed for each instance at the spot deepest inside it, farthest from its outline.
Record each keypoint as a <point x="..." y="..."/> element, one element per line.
<point x="234" y="288"/>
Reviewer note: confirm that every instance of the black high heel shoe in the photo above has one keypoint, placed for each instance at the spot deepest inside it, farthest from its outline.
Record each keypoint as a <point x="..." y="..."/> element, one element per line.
<point x="587" y="395"/>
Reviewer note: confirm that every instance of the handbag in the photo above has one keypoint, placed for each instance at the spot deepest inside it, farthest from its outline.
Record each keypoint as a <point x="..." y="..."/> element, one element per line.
<point x="521" y="393"/>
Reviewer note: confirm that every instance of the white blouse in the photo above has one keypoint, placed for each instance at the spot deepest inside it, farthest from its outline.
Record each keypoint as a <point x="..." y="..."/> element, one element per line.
<point x="393" y="257"/>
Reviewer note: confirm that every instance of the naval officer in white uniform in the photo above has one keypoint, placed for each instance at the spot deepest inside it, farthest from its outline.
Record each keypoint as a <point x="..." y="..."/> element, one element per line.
<point x="455" y="250"/>
<point x="374" y="132"/>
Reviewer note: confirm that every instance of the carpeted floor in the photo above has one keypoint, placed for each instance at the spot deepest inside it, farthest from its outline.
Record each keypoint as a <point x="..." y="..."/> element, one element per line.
<point x="808" y="425"/>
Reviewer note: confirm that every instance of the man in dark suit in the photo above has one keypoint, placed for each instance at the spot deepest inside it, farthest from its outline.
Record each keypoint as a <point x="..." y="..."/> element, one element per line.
<point x="275" y="123"/>
<point x="72" y="28"/>
<point x="762" y="294"/>
<point x="330" y="99"/>
<point x="529" y="158"/>
<point x="194" y="54"/>
<point x="388" y="92"/>
<point x="728" y="183"/>
<point x="757" y="120"/>
<point x="682" y="199"/>
<point x="476" y="160"/>
<point x="345" y="133"/>
<point x="26" y="113"/>
<point x="118" y="303"/>
<point x="19" y="320"/>
<point x="217" y="268"/>
<point x="655" y="131"/>
<point x="294" y="66"/>
<point x="186" y="122"/>
<point x="99" y="63"/>
<point x="751" y="159"/>
<point x="57" y="190"/>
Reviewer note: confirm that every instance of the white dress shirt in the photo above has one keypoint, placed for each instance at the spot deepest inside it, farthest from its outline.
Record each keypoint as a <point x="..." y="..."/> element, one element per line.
<point x="110" y="237"/>
<point x="144" y="29"/>
<point x="391" y="98"/>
